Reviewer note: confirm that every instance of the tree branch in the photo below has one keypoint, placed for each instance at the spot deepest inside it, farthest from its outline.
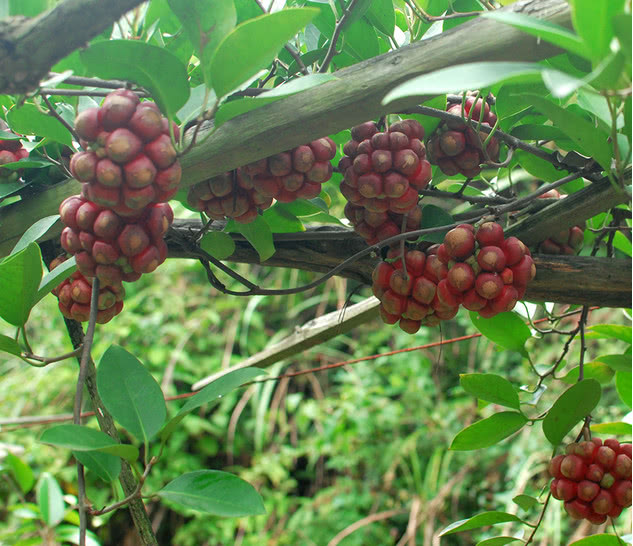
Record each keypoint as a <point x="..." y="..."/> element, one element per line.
<point x="29" y="47"/>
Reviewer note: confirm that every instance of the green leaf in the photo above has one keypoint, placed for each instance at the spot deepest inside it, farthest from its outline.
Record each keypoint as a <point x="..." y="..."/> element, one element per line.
<point x="610" y="331"/>
<point x="218" y="243"/>
<point x="80" y="438"/>
<point x="592" y="370"/>
<point x="21" y="472"/>
<point x="433" y="216"/>
<point x="525" y="501"/>
<point x="104" y="465"/>
<point x="489" y="431"/>
<point x="591" y="140"/>
<point x="622" y="28"/>
<point x="620" y="428"/>
<point x="30" y="8"/>
<point x="152" y="67"/>
<point x="130" y="393"/>
<point x="214" y="492"/>
<point x="382" y="16"/>
<point x="490" y="387"/>
<point x="9" y="345"/>
<point x="537" y="167"/>
<point x="50" y="499"/>
<point x="498" y="541"/>
<point x="623" y="386"/>
<point x="505" y="329"/>
<point x="257" y="233"/>
<point x="70" y="533"/>
<point x="206" y="25"/>
<point x="480" y="520"/>
<point x="550" y="32"/>
<point x="599" y="540"/>
<point x="465" y="76"/>
<point x="573" y="405"/>
<point x="36" y="231"/>
<point x="29" y="120"/>
<point x="252" y="45"/>
<point x="20" y="276"/>
<point x="235" y="108"/>
<point x="211" y="393"/>
<point x="360" y="40"/>
<point x="592" y="21"/>
<point x="53" y="278"/>
<point x="281" y="220"/>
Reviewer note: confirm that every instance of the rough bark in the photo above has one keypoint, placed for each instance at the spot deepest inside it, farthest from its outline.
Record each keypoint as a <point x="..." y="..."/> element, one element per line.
<point x="30" y="47"/>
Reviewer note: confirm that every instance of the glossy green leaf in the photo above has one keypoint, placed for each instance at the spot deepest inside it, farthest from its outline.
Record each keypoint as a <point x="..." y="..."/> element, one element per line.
<point x="537" y="167"/>
<point x="211" y="393"/>
<point x="592" y="22"/>
<point x="434" y="216"/>
<point x="21" y="472"/>
<point x="214" y="492"/>
<point x="9" y="345"/>
<point x="505" y="329"/>
<point x="489" y="431"/>
<point x="360" y="40"/>
<point x="70" y="534"/>
<point x="618" y="427"/>
<point x="53" y="278"/>
<point x="50" y="499"/>
<point x="29" y="8"/>
<point x="104" y="465"/>
<point x="20" y="276"/>
<point x="550" y="32"/>
<point x="382" y="16"/>
<point x="578" y="129"/>
<point x="130" y="393"/>
<point x="498" y="541"/>
<point x="80" y="438"/>
<point x="206" y="25"/>
<point x="480" y="520"/>
<point x="465" y="76"/>
<point x="235" y="108"/>
<point x="490" y="387"/>
<point x="526" y="502"/>
<point x="610" y="331"/>
<point x="252" y="45"/>
<point x="29" y="120"/>
<point x="281" y="220"/>
<point x="622" y="28"/>
<point x="257" y="233"/>
<point x="592" y="370"/>
<point x="599" y="540"/>
<point x="623" y="386"/>
<point x="571" y="407"/>
<point x="152" y="67"/>
<point x="195" y="103"/>
<point x="33" y="233"/>
<point x="218" y="243"/>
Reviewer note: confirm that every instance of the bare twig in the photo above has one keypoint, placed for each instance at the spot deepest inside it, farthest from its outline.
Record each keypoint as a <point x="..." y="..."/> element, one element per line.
<point x="419" y="12"/>
<point x="91" y="82"/>
<point x="335" y="36"/>
<point x="82" y="92"/>
<point x="45" y="361"/>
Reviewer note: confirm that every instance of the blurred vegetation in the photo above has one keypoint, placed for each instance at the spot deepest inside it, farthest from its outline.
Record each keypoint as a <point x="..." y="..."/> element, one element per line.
<point x="324" y="449"/>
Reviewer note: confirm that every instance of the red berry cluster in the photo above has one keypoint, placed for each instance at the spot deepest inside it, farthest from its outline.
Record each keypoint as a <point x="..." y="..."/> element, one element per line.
<point x="383" y="172"/>
<point x="129" y="160"/>
<point x="286" y="177"/>
<point x="75" y="293"/>
<point x="486" y="272"/>
<point x="110" y="247"/>
<point x="408" y="295"/>
<point x="568" y="241"/>
<point x="10" y="152"/>
<point x="229" y="195"/>
<point x="115" y="228"/>
<point x="456" y="147"/>
<point x="593" y="479"/>
<point x="374" y="226"/>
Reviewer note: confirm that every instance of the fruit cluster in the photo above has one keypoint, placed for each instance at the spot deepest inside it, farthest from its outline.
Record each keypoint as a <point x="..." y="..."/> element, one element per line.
<point x="456" y="147"/>
<point x="74" y="296"/>
<point x="11" y="150"/>
<point x="115" y="228"/>
<point x="383" y="172"/>
<point x="286" y="177"/>
<point x="478" y="269"/>
<point x="568" y="241"/>
<point x="129" y="160"/>
<point x="593" y="479"/>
